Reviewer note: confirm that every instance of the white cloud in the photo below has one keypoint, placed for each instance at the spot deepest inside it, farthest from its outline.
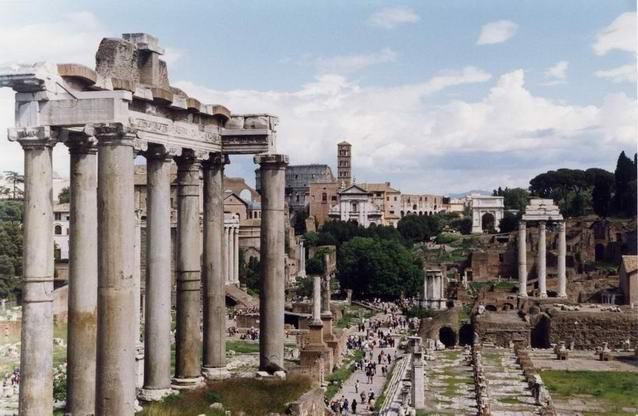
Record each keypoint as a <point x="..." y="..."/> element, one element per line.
<point x="74" y="37"/>
<point x="497" y="32"/>
<point x="620" y="34"/>
<point x="557" y="73"/>
<point x="346" y="64"/>
<point x="625" y="73"/>
<point x="397" y="132"/>
<point x="391" y="17"/>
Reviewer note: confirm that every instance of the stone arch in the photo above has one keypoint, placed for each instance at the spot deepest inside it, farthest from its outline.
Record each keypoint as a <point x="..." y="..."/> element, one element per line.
<point x="466" y="335"/>
<point x="488" y="221"/>
<point x="508" y="306"/>
<point x="447" y="336"/>
<point x="58" y="230"/>
<point x="491" y="308"/>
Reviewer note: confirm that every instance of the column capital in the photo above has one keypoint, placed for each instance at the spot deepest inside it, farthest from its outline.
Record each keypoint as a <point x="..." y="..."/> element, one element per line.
<point x="79" y="142"/>
<point x="522" y="224"/>
<point x="33" y="137"/>
<point x="215" y="160"/>
<point x="113" y="134"/>
<point x="542" y="223"/>
<point x="561" y="225"/>
<point x="161" y="152"/>
<point x="187" y="160"/>
<point x="272" y="161"/>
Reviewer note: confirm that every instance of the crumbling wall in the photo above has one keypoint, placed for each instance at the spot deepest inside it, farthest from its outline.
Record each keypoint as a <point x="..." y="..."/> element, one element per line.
<point x="589" y="330"/>
<point x="309" y="404"/>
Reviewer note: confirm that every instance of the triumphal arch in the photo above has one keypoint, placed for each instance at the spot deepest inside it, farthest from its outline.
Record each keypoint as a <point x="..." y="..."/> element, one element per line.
<point x="106" y="117"/>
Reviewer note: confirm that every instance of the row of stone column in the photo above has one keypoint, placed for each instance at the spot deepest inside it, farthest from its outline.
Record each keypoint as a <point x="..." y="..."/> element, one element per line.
<point x="541" y="260"/>
<point x="231" y="257"/>
<point x="103" y="331"/>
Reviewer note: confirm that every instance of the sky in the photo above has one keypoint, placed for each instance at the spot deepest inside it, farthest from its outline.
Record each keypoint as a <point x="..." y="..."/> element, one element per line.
<point x="435" y="96"/>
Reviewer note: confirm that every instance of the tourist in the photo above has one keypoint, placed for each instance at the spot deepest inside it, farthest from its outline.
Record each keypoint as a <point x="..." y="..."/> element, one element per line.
<point x="353" y="406"/>
<point x="356" y="386"/>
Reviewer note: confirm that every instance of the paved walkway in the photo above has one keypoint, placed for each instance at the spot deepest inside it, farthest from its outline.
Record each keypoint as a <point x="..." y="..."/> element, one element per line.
<point x="348" y="388"/>
<point x="449" y="387"/>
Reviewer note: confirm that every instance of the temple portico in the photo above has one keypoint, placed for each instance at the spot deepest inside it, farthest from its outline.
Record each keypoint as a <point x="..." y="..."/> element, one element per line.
<point x="541" y="211"/>
<point x="434" y="289"/>
<point x="126" y="107"/>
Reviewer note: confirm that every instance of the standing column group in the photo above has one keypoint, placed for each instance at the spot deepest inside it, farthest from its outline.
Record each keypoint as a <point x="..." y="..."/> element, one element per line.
<point x="541" y="260"/>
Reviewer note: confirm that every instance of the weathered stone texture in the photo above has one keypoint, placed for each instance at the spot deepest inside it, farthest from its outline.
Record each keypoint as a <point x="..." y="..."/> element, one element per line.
<point x="589" y="330"/>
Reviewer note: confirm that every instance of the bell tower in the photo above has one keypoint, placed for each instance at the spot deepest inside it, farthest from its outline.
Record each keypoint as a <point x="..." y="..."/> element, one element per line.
<point x="344" y="164"/>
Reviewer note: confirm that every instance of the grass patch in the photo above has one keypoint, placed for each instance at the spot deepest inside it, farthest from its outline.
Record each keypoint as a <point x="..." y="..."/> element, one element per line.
<point x="617" y="389"/>
<point x="254" y="397"/>
<point x="336" y="379"/>
<point x="242" y="347"/>
<point x="453" y="385"/>
<point x="510" y="400"/>
<point x="353" y="315"/>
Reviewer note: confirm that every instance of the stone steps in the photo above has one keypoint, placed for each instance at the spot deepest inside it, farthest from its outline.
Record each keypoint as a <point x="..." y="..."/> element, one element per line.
<point x="508" y="391"/>
<point x="449" y="384"/>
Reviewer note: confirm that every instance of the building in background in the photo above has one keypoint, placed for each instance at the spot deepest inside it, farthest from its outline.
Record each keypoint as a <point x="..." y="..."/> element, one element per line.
<point x="298" y="181"/>
<point x="323" y="196"/>
<point x="344" y="164"/>
<point x="422" y="204"/>
<point x="355" y="204"/>
<point x="386" y="199"/>
<point x="487" y="212"/>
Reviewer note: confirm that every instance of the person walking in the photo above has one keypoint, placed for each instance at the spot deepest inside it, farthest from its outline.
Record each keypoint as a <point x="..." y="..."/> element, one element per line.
<point x="356" y="386"/>
<point x="354" y="406"/>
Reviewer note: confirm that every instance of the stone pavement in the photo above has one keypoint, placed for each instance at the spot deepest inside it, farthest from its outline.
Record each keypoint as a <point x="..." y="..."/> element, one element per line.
<point x="449" y="385"/>
<point x="378" y="381"/>
<point x="508" y="391"/>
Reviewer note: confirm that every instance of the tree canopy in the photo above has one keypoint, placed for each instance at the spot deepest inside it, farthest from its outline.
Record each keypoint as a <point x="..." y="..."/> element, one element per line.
<point x="379" y="268"/>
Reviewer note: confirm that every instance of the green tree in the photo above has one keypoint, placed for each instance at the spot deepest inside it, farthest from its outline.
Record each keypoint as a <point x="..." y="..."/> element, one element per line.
<point x="419" y="228"/>
<point x="601" y="197"/>
<point x="251" y="276"/>
<point x="509" y="222"/>
<point x="380" y="268"/>
<point x="315" y="266"/>
<point x="65" y="195"/>
<point x="15" y="179"/>
<point x="624" y="175"/>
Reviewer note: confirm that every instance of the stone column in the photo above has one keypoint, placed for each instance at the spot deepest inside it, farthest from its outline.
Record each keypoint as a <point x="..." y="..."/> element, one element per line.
<point x="236" y="255"/>
<point x="36" y="348"/>
<point x="418" y="381"/>
<point x="82" y="314"/>
<point x="302" y="259"/>
<point x="230" y="250"/>
<point x="187" y="365"/>
<point x="226" y="257"/>
<point x="562" y="253"/>
<point x="316" y="300"/>
<point x="522" y="259"/>
<point x="116" y="343"/>
<point x="541" y="265"/>
<point x="214" y="359"/>
<point x="157" y="328"/>
<point x="272" y="296"/>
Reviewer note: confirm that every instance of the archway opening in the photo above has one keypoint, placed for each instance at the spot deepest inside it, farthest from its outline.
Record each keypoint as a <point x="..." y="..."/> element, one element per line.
<point x="447" y="336"/>
<point x="600" y="252"/>
<point x="488" y="222"/>
<point x="540" y="333"/>
<point x="491" y="308"/>
<point x="466" y="335"/>
<point x="508" y="306"/>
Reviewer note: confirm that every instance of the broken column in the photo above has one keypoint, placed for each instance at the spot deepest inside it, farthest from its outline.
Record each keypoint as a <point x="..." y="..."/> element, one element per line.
<point x="326" y="316"/>
<point x="418" y="380"/>
<point x="562" y="253"/>
<point x="522" y="259"/>
<point x="214" y="359"/>
<point x="541" y="265"/>
<point x="157" y="328"/>
<point x="187" y="365"/>
<point x="82" y="314"/>
<point x="36" y="349"/>
<point x="116" y="343"/>
<point x="302" y="259"/>
<point x="316" y="350"/>
<point x="272" y="293"/>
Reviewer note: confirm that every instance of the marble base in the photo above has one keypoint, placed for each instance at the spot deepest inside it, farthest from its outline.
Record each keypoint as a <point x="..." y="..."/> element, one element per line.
<point x="215" y="373"/>
<point x="153" y="395"/>
<point x="187" y="383"/>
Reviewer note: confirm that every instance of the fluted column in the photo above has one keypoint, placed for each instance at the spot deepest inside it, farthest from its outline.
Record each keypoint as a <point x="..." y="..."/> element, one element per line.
<point x="541" y="265"/>
<point x="522" y="259"/>
<point x="82" y="312"/>
<point x="231" y="256"/>
<point x="236" y="255"/>
<point x="214" y="360"/>
<point x="562" y="253"/>
<point x="271" y="296"/>
<point x="157" y="316"/>
<point x="187" y="364"/>
<point x="116" y="343"/>
<point x="36" y="348"/>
